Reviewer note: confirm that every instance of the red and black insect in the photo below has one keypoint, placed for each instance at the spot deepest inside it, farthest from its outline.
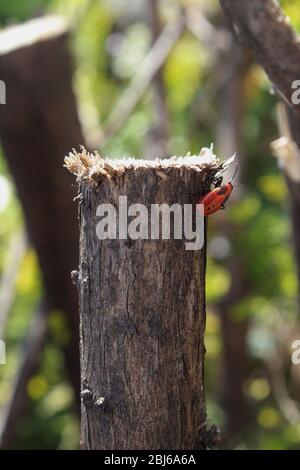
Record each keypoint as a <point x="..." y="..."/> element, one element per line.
<point x="216" y="199"/>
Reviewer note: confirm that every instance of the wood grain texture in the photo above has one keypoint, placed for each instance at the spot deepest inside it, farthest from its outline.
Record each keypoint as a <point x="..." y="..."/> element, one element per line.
<point x="142" y="307"/>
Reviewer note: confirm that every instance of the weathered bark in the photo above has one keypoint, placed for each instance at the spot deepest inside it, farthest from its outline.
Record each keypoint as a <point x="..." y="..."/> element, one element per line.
<point x="38" y="126"/>
<point x="266" y="30"/>
<point x="142" y="307"/>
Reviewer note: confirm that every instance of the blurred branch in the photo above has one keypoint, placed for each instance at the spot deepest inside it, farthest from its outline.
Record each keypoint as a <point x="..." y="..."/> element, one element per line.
<point x="17" y="250"/>
<point x="141" y="81"/>
<point x="267" y="31"/>
<point x="216" y="39"/>
<point x="16" y="406"/>
<point x="158" y="134"/>
<point x="288" y="406"/>
<point x="219" y="42"/>
<point x="293" y="183"/>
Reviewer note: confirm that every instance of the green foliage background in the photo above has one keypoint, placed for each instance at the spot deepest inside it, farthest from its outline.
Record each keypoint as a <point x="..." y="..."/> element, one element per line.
<point x="263" y="233"/>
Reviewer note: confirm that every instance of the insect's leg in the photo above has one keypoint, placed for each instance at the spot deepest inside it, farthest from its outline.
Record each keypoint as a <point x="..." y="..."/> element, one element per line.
<point x="224" y="202"/>
<point x="218" y="182"/>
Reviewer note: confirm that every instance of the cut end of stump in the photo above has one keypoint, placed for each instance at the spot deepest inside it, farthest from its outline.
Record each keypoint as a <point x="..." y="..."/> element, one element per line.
<point x="91" y="167"/>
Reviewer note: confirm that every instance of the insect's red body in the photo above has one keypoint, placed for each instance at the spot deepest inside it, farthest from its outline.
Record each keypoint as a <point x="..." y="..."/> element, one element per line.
<point x="215" y="199"/>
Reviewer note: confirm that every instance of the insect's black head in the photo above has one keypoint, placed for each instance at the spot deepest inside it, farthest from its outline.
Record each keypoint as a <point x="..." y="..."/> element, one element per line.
<point x="218" y="181"/>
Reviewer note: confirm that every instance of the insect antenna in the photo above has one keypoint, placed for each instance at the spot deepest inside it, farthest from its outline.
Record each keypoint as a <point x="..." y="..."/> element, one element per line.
<point x="235" y="172"/>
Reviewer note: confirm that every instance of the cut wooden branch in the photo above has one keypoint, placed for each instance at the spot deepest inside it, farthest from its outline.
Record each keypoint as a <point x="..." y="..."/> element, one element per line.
<point x="16" y="252"/>
<point x="268" y="32"/>
<point x="38" y="126"/>
<point x="142" y="307"/>
<point x="141" y="81"/>
<point x="31" y="357"/>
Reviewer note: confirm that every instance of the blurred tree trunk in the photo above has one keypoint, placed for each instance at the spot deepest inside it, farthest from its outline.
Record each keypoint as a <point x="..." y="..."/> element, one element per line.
<point x="142" y="306"/>
<point x="235" y="364"/>
<point x="158" y="134"/>
<point x="38" y="126"/>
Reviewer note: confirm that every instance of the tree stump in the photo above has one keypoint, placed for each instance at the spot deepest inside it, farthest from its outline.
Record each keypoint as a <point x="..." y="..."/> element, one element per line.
<point x="142" y="307"/>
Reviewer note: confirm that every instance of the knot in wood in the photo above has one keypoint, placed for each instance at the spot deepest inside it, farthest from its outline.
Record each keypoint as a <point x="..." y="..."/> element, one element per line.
<point x="87" y="398"/>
